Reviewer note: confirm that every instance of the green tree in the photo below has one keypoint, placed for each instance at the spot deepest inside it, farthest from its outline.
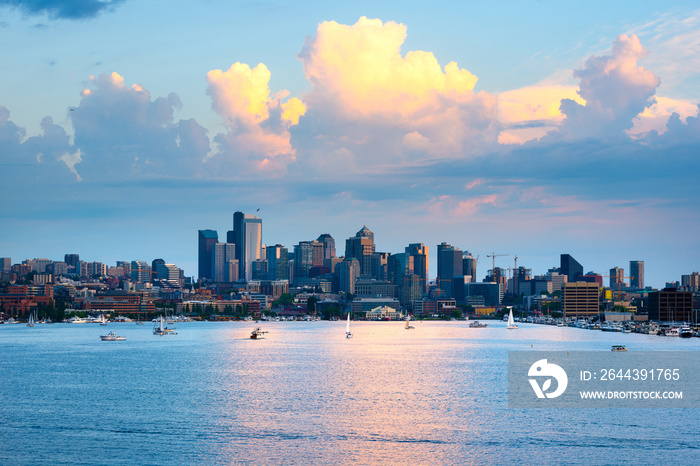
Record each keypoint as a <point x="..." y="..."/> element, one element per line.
<point x="311" y="304"/>
<point x="456" y="314"/>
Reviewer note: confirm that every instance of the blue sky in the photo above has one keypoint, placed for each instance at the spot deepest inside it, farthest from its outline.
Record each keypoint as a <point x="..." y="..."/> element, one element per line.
<point x="523" y="128"/>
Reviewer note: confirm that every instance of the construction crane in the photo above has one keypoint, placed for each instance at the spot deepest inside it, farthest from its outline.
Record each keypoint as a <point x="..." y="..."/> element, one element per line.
<point x="619" y="278"/>
<point x="493" y="256"/>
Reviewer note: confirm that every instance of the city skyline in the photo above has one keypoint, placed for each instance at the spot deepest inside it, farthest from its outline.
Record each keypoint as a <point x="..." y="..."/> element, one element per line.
<point x="551" y="129"/>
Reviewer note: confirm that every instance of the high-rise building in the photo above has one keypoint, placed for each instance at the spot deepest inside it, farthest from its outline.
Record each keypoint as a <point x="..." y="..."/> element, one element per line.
<point x="154" y="268"/>
<point x="570" y="267"/>
<point x="307" y="254"/>
<point x="169" y="273"/>
<point x="207" y="240"/>
<point x="277" y="262"/>
<point x="449" y="266"/>
<point x="5" y="264"/>
<point x="71" y="259"/>
<point x="617" y="278"/>
<point x="140" y="271"/>
<point x="637" y="274"/>
<point x="361" y="247"/>
<point x="469" y="266"/>
<point x="348" y="271"/>
<point x="247" y="230"/>
<point x="328" y="245"/>
<point x="222" y="255"/>
<point x="580" y="299"/>
<point x="419" y="252"/>
<point x="380" y="265"/>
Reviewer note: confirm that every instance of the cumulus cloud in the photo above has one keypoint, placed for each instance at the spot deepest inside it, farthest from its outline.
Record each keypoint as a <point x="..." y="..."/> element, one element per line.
<point x="63" y="9"/>
<point x="383" y="107"/>
<point x="258" y="123"/>
<point x="615" y="88"/>
<point x="121" y="131"/>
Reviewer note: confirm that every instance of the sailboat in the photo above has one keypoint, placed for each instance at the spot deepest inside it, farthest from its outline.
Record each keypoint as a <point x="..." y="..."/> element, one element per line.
<point x="511" y="323"/>
<point x="347" y="328"/>
<point x="31" y="320"/>
<point x="408" y="327"/>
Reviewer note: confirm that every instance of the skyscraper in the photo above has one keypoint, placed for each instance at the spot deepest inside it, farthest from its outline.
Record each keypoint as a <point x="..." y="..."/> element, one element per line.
<point x="449" y="266"/>
<point x="469" y="266"/>
<point x="328" y="246"/>
<point x="361" y="247"/>
<point x="419" y="252"/>
<point x="207" y="240"/>
<point x="571" y="268"/>
<point x="247" y="230"/>
<point x="222" y="255"/>
<point x="637" y="274"/>
<point x="277" y="262"/>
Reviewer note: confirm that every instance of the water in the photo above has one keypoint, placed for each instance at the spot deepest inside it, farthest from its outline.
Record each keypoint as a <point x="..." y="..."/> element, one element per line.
<point x="307" y="395"/>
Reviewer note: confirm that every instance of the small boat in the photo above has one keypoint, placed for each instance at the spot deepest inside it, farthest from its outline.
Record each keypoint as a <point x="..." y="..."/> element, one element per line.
<point x="257" y="334"/>
<point x="477" y="324"/>
<point x="685" y="332"/>
<point x="111" y="336"/>
<point x="408" y="327"/>
<point x="511" y="323"/>
<point x="31" y="320"/>
<point x="618" y="348"/>
<point x="347" y="328"/>
<point x="103" y="321"/>
<point x="161" y="330"/>
<point x="673" y="332"/>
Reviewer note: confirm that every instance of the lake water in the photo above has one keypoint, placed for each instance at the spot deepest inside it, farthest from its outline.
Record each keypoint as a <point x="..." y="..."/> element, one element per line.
<point x="307" y="395"/>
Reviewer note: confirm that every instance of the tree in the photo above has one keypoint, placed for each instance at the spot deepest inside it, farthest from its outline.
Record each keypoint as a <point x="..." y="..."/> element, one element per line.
<point x="456" y="314"/>
<point x="311" y="304"/>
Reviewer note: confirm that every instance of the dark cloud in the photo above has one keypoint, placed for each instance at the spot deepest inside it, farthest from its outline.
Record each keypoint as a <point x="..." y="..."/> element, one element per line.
<point x="63" y="9"/>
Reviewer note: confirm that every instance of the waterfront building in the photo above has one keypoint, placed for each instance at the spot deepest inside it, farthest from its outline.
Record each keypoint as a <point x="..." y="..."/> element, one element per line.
<point x="637" y="274"/>
<point x="247" y="230"/>
<point x="570" y="267"/>
<point x="383" y="313"/>
<point x="361" y="247"/>
<point x="449" y="266"/>
<point x="581" y="299"/>
<point x="671" y="305"/>
<point x="207" y="240"/>
<point x="364" y="305"/>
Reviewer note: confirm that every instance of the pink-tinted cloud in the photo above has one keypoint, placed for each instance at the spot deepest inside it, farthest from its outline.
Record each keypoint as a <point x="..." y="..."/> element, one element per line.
<point x="616" y="89"/>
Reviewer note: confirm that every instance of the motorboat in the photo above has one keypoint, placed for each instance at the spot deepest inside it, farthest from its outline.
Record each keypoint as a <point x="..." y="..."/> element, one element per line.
<point x="685" y="332"/>
<point x="257" y="334"/>
<point x="111" y="336"/>
<point x="618" y="348"/>
<point x="477" y="324"/>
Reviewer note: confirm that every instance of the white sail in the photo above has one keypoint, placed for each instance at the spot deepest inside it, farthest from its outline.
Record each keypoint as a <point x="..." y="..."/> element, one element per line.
<point x="511" y="321"/>
<point x="347" y="328"/>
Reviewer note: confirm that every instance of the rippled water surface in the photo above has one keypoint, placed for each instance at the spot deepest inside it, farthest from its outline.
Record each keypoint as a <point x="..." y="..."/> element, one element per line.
<point x="307" y="395"/>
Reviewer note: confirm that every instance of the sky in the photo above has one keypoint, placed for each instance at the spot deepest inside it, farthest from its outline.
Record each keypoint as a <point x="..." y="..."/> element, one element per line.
<point x="522" y="128"/>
